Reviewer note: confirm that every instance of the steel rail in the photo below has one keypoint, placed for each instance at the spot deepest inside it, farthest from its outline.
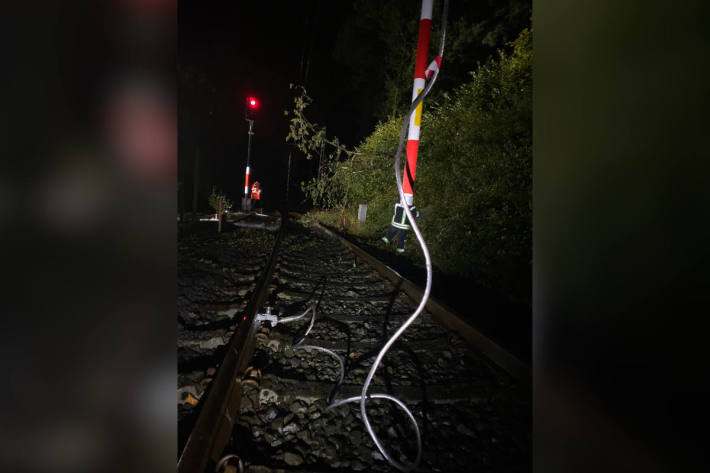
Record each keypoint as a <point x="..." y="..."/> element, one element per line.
<point x="444" y="315"/>
<point x="220" y="410"/>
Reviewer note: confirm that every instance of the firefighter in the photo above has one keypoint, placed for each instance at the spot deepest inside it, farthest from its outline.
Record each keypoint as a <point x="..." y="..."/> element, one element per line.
<point x="400" y="225"/>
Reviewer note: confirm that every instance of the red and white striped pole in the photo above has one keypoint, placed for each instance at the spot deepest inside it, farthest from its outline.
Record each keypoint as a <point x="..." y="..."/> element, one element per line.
<point x="420" y="73"/>
<point x="245" y="200"/>
<point x="246" y="175"/>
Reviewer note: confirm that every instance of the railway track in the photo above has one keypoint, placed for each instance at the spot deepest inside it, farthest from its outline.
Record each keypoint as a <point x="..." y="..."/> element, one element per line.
<point x="218" y="275"/>
<point x="473" y="411"/>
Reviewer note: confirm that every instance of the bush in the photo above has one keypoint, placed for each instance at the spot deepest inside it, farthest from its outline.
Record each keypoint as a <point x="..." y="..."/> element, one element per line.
<point x="476" y="174"/>
<point x="368" y="177"/>
<point x="215" y="198"/>
<point x="473" y="180"/>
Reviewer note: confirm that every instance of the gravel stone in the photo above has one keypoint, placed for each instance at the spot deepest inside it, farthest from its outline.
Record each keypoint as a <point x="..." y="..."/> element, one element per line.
<point x="293" y="459"/>
<point x="465" y="430"/>
<point x="290" y="428"/>
<point x="297" y="406"/>
<point x="329" y="453"/>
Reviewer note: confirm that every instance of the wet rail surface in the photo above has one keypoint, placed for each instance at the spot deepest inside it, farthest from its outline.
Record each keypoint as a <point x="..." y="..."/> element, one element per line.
<point x="473" y="416"/>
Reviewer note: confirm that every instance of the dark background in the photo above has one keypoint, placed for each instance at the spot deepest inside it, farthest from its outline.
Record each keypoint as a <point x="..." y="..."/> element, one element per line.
<point x="620" y="239"/>
<point x="338" y="50"/>
<point x="259" y="48"/>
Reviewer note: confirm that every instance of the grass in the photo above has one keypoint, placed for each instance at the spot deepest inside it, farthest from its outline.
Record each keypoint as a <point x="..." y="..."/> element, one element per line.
<point x="365" y="233"/>
<point x="344" y="221"/>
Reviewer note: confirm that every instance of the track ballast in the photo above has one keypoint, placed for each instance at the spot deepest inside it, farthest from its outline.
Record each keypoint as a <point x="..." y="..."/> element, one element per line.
<point x="473" y="415"/>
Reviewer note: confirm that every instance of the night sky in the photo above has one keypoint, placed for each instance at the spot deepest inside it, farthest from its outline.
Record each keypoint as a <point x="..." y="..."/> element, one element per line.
<point x="333" y="48"/>
<point x="259" y="48"/>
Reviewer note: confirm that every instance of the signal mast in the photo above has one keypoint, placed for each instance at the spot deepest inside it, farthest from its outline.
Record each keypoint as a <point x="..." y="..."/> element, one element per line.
<point x="249" y="114"/>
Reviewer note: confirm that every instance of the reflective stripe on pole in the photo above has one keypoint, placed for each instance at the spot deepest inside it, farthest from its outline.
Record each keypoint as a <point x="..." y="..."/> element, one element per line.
<point x="420" y="72"/>
<point x="246" y="183"/>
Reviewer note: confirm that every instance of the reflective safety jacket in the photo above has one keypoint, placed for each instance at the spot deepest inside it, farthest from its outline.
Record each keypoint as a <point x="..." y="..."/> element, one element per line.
<point x="400" y="219"/>
<point x="256" y="191"/>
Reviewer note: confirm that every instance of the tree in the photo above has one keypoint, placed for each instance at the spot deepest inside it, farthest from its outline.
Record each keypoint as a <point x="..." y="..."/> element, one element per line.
<point x="311" y="139"/>
<point x="196" y="107"/>
<point x="474" y="171"/>
<point x="378" y="45"/>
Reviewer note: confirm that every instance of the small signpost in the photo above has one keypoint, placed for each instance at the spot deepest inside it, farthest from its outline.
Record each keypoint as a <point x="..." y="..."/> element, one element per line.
<point x="362" y="212"/>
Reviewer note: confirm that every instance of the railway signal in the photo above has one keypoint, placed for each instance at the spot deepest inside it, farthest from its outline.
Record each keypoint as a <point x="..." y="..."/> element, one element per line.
<point x="252" y="106"/>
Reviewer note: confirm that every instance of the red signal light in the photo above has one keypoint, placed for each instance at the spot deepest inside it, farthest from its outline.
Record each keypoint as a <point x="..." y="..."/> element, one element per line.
<point x="253" y="103"/>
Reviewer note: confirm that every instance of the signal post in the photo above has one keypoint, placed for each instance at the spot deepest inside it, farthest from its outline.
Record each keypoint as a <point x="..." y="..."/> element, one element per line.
<point x="249" y="114"/>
